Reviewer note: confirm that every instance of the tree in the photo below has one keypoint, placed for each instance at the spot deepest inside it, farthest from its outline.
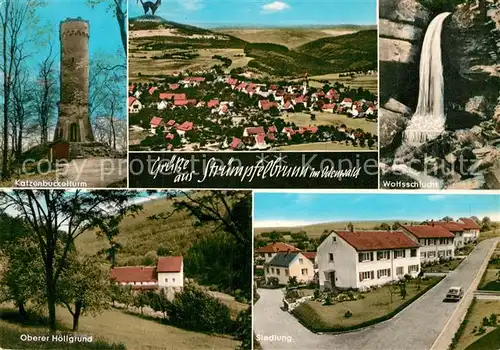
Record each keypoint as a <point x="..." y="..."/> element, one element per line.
<point x="15" y="18"/>
<point x="159" y="302"/>
<point x="447" y="219"/>
<point x="22" y="277"/>
<point x="141" y="299"/>
<point x="486" y="224"/>
<point x="46" y="95"/>
<point x="48" y="212"/>
<point x="84" y="287"/>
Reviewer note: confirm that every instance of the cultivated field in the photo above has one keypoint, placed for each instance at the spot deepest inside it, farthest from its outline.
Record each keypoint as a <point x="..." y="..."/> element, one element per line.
<point x="304" y="119"/>
<point x="290" y="37"/>
<point x="368" y="82"/>
<point x="141" y="62"/>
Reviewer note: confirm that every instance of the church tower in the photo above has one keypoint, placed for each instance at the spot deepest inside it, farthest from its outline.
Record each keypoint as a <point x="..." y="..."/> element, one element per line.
<point x="305" y="84"/>
<point x="73" y="124"/>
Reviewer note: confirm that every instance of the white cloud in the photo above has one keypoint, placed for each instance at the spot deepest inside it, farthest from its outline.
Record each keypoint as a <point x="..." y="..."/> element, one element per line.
<point x="275" y="6"/>
<point x="282" y="223"/>
<point x="192" y="5"/>
<point x="436" y="197"/>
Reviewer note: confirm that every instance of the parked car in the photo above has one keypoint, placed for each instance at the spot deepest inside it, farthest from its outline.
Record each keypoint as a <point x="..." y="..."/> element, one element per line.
<point x="454" y="294"/>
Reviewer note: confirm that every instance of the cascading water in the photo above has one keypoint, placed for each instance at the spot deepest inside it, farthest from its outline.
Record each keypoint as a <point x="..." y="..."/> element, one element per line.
<point x="429" y="119"/>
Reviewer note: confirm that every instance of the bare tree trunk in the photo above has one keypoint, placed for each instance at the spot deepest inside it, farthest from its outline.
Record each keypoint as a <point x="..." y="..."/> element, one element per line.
<point x="121" y="17"/>
<point x="76" y="315"/>
<point x="6" y="93"/>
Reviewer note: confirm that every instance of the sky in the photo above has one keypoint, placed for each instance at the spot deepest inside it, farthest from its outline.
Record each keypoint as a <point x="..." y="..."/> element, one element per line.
<point x="104" y="32"/>
<point x="265" y="13"/>
<point x="299" y="209"/>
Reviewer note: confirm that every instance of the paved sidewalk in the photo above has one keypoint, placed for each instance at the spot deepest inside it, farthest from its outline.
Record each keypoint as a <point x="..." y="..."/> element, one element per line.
<point x="415" y="328"/>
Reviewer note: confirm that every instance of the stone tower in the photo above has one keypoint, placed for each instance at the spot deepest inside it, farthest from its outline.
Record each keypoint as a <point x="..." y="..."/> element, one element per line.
<point x="73" y="124"/>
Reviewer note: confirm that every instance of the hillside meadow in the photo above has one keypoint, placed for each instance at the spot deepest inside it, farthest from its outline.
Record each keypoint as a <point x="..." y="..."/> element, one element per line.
<point x="140" y="236"/>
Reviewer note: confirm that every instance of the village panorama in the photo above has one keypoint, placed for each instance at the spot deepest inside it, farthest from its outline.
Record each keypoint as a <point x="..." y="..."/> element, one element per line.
<point x="218" y="90"/>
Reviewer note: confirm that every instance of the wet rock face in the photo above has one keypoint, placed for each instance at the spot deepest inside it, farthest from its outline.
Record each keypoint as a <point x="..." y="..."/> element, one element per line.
<point x="471" y="53"/>
<point x="401" y="31"/>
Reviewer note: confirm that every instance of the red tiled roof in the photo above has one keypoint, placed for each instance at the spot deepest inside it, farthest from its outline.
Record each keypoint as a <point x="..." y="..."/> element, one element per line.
<point x="181" y="102"/>
<point x="131" y="88"/>
<point x="131" y="100"/>
<point x="271" y="136"/>
<point x="186" y="126"/>
<point x="312" y="129"/>
<point x="309" y="255"/>
<point x="224" y="108"/>
<point x="179" y="96"/>
<point x="235" y="143"/>
<point x="171" y="122"/>
<point x="152" y="90"/>
<point x="328" y="106"/>
<point x="213" y="103"/>
<point x="156" y="121"/>
<point x="277" y="248"/>
<point x="197" y="79"/>
<point x="449" y="225"/>
<point x="173" y="86"/>
<point x="169" y="136"/>
<point x="133" y="274"/>
<point x="427" y="231"/>
<point x="255" y="130"/>
<point x="272" y="129"/>
<point x="231" y="81"/>
<point x="377" y="240"/>
<point x="169" y="264"/>
<point x="470" y="224"/>
<point x="166" y="95"/>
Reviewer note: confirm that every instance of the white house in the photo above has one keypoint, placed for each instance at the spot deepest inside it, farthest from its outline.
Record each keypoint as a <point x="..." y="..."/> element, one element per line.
<point x="453" y="227"/>
<point x="471" y="229"/>
<point x="286" y="265"/>
<point x="436" y="242"/>
<point x="269" y="251"/>
<point x="170" y="271"/>
<point x="360" y="259"/>
<point x="134" y="105"/>
<point x="139" y="277"/>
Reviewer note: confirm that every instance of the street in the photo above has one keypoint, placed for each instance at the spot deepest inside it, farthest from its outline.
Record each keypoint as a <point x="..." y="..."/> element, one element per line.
<point x="414" y="328"/>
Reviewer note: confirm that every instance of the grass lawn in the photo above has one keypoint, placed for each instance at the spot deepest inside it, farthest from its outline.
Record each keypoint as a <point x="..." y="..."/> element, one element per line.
<point x="488" y="235"/>
<point x="376" y="304"/>
<point x="321" y="146"/>
<point x="480" y="309"/>
<point x="115" y="326"/>
<point x="488" y="342"/>
<point x="490" y="281"/>
<point x="444" y="266"/>
<point x="303" y="119"/>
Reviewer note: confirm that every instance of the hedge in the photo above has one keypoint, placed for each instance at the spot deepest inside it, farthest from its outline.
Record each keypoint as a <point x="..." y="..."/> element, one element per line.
<point x="318" y="327"/>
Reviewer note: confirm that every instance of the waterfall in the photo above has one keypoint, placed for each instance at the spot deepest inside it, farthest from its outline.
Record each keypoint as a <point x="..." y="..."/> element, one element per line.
<point x="429" y="119"/>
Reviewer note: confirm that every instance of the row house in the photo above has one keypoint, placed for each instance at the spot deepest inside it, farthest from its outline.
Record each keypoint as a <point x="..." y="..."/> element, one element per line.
<point x="435" y="241"/>
<point x="471" y="229"/>
<point x="361" y="259"/>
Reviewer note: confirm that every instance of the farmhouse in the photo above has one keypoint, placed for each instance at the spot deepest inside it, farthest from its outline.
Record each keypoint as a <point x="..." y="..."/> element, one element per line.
<point x="269" y="251"/>
<point x="169" y="272"/>
<point x="436" y="242"/>
<point x="360" y="259"/>
<point x="285" y="265"/>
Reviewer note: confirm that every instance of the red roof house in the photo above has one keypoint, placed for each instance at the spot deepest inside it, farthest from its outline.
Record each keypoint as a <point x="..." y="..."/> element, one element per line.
<point x="169" y="264"/>
<point x="277" y="248"/>
<point x="156" y="121"/>
<point x="377" y="240"/>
